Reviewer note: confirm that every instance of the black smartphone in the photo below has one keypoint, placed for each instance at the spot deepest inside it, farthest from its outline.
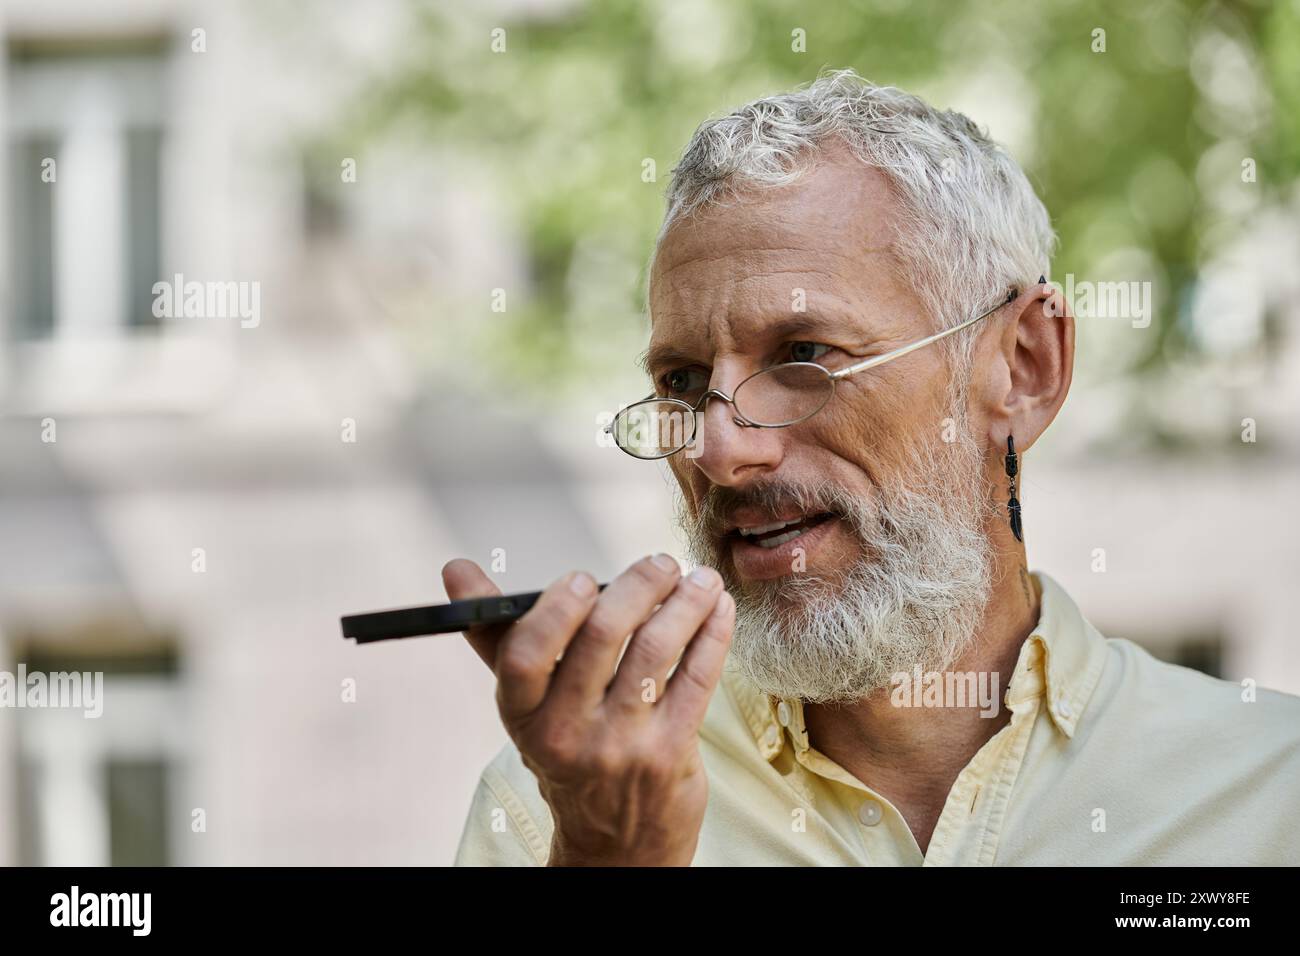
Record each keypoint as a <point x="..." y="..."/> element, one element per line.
<point x="437" y="618"/>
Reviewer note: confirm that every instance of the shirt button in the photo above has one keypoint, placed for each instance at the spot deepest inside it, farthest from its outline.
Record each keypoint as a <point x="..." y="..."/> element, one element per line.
<point x="1063" y="708"/>
<point x="783" y="714"/>
<point x="870" y="813"/>
<point x="772" y="736"/>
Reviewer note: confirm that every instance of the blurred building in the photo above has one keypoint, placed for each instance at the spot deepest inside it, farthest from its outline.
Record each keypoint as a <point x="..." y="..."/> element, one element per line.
<point x="180" y="508"/>
<point x="189" y="504"/>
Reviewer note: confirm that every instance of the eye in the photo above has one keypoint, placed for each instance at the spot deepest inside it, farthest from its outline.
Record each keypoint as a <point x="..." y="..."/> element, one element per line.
<point x="683" y="381"/>
<point x="807" y="351"/>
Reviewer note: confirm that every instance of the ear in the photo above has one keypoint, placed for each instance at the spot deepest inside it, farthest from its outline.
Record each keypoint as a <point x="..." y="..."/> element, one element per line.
<point x="1030" y="367"/>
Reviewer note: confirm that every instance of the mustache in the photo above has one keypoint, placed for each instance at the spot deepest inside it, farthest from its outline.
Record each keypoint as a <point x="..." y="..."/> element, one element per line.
<point x="714" y="510"/>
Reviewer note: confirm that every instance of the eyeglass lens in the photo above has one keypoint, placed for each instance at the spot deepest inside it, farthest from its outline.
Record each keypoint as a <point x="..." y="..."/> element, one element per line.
<point x="777" y="396"/>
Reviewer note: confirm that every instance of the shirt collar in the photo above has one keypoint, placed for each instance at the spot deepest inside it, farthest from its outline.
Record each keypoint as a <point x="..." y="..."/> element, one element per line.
<point x="1061" y="660"/>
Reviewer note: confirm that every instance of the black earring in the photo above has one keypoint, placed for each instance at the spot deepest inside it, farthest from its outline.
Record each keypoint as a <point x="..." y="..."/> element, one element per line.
<point x="1013" y="503"/>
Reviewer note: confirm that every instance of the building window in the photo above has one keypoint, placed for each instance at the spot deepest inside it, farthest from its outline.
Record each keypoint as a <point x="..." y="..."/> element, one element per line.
<point x="103" y="791"/>
<point x="85" y="137"/>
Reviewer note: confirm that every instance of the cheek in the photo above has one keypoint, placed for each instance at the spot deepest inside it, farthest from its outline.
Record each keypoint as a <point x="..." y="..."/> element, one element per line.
<point x="683" y="474"/>
<point x="857" y="421"/>
<point x="875" y="423"/>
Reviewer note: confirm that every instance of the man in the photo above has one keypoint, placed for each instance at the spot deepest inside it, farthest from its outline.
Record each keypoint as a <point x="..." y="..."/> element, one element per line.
<point x="849" y="492"/>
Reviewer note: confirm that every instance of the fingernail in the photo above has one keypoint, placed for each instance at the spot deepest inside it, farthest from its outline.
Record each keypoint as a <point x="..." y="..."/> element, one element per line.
<point x="582" y="585"/>
<point x="664" y="562"/>
<point x="724" y="606"/>
<point x="704" y="577"/>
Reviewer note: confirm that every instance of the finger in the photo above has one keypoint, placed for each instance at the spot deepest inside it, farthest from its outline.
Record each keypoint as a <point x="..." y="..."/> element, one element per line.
<point x="463" y="580"/>
<point x="527" y="653"/>
<point x="588" y="665"/>
<point x="692" y="684"/>
<point x="658" y="643"/>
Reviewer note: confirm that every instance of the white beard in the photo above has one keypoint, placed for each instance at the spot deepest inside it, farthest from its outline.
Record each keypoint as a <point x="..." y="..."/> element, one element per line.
<point x="916" y="596"/>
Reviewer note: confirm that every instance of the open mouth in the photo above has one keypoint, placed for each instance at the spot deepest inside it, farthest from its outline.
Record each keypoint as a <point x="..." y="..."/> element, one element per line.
<point x="777" y="533"/>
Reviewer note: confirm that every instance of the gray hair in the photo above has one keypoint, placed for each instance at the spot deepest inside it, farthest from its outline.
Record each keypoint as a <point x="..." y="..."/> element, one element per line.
<point x="972" y="225"/>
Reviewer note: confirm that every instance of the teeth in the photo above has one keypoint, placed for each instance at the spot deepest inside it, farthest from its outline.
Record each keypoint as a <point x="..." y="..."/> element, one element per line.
<point x="780" y="538"/>
<point x="765" y="528"/>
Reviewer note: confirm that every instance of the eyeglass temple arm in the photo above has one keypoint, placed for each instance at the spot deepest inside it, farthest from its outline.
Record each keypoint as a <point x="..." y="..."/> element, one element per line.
<point x="912" y="347"/>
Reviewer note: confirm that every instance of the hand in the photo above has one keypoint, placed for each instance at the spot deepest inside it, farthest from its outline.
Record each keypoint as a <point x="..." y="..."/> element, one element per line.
<point x="613" y="742"/>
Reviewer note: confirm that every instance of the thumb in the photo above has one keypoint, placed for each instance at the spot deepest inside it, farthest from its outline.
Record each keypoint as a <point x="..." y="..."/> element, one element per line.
<point x="463" y="580"/>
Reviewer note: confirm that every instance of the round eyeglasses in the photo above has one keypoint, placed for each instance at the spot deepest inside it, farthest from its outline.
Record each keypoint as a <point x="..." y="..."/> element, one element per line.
<point x="781" y="395"/>
<point x="774" y="397"/>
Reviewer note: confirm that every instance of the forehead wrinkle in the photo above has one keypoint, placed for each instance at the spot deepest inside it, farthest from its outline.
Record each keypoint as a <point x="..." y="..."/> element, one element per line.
<point x="693" y="278"/>
<point x="835" y="284"/>
<point x="813" y="322"/>
<point x="749" y="252"/>
<point x="828" y="306"/>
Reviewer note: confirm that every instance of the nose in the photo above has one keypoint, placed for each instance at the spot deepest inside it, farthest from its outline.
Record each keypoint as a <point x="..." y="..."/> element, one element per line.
<point x="727" y="451"/>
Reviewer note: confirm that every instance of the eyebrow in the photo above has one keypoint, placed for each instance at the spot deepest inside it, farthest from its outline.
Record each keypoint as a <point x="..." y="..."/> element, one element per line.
<point x="659" y="356"/>
<point x="807" y="323"/>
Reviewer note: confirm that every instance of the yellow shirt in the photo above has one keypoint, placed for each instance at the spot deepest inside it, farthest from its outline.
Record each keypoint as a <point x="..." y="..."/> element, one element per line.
<point x="1111" y="757"/>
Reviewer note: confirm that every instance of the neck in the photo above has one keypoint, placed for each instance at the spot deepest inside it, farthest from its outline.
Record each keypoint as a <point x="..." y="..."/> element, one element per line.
<point x="913" y="755"/>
